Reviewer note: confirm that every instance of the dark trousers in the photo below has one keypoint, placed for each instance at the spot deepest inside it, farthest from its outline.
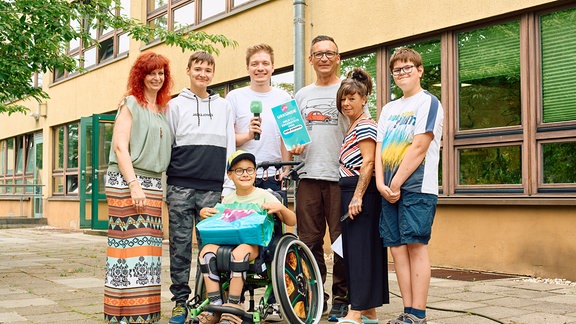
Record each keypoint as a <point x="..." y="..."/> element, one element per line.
<point x="318" y="206"/>
<point x="364" y="254"/>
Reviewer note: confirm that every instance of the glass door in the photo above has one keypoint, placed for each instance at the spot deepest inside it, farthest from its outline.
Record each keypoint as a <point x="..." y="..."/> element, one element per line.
<point x="95" y="143"/>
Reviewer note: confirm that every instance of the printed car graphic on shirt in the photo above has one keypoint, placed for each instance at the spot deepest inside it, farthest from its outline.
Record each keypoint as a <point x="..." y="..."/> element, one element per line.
<point x="320" y="111"/>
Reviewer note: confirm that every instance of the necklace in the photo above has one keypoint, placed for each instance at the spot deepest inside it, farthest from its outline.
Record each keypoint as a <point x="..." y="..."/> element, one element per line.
<point x="355" y="120"/>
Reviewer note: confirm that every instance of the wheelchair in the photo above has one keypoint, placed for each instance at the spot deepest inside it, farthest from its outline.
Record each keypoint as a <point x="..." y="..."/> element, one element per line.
<point x="285" y="269"/>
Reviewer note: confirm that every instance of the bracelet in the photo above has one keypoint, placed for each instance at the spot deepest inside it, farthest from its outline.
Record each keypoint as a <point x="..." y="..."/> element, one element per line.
<point x="129" y="182"/>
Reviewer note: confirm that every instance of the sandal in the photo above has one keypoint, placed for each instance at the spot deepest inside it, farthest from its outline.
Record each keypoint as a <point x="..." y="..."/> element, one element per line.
<point x="228" y="318"/>
<point x="207" y="318"/>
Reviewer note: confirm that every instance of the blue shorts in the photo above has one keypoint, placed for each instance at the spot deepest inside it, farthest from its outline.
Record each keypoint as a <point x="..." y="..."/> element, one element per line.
<point x="409" y="220"/>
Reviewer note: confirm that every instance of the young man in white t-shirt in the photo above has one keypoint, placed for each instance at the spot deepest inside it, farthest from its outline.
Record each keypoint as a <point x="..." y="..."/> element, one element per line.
<point x="269" y="147"/>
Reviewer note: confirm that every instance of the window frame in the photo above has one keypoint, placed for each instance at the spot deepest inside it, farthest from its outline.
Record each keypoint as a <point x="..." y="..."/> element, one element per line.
<point x="173" y="5"/>
<point x="65" y="172"/>
<point x="21" y="145"/>
<point x="100" y="36"/>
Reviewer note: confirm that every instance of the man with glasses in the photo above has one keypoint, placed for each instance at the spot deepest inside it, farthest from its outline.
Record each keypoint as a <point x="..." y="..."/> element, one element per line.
<point x="407" y="157"/>
<point x="318" y="196"/>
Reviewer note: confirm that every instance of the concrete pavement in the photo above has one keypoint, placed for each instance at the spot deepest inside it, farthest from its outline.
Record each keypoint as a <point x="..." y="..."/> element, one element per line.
<point x="49" y="275"/>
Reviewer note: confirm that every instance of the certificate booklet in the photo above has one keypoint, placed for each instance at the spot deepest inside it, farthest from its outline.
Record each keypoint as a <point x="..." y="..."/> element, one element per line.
<point x="291" y="125"/>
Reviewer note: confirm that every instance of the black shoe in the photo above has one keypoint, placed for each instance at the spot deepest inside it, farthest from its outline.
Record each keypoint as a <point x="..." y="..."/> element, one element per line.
<point x="337" y="311"/>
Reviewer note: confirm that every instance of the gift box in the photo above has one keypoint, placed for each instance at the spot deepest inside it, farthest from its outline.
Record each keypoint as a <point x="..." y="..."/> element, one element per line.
<point x="236" y="224"/>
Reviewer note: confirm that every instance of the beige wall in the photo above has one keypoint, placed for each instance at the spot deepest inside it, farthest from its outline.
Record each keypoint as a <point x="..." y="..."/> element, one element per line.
<point x="527" y="240"/>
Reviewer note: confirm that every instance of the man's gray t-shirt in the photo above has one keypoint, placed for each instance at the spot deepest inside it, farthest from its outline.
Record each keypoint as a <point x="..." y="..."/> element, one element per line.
<point x="318" y="107"/>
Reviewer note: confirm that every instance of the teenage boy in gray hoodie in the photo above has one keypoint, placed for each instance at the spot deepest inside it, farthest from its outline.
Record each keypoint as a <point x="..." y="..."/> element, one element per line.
<point x="202" y="126"/>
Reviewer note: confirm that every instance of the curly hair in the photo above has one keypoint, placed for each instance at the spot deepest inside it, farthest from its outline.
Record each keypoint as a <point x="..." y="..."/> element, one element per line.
<point x="146" y="63"/>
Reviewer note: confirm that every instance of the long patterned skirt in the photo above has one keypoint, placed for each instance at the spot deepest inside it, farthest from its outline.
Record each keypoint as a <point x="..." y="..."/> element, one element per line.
<point x="134" y="255"/>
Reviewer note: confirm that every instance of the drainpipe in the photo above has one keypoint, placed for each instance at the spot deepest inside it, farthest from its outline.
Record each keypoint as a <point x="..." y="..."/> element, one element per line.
<point x="299" y="54"/>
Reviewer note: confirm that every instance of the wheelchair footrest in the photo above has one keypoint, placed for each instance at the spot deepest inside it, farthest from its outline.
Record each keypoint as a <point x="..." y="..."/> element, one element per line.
<point x="231" y="310"/>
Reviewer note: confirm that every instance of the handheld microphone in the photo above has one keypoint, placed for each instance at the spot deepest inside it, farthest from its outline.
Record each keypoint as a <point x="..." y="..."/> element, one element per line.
<point x="256" y="109"/>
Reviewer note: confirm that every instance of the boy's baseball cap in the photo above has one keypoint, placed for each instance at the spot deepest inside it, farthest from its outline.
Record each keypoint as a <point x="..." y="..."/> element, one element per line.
<point x="239" y="156"/>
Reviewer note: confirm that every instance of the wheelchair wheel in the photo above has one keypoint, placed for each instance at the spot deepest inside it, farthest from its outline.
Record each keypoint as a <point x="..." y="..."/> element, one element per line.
<point x="296" y="281"/>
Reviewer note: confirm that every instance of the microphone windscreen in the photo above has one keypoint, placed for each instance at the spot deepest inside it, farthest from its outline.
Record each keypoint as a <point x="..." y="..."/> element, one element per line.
<point x="256" y="107"/>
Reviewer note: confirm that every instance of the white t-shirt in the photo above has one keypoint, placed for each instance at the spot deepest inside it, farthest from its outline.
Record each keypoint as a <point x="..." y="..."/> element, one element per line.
<point x="399" y="121"/>
<point x="268" y="147"/>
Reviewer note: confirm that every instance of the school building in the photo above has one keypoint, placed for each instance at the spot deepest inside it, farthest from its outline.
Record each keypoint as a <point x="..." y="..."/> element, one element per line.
<point x="504" y="71"/>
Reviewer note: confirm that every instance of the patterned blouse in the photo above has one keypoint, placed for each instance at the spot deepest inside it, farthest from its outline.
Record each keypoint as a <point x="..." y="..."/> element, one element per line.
<point x="350" y="154"/>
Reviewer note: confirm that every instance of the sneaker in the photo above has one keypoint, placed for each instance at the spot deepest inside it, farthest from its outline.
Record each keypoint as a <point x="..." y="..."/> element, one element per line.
<point x="273" y="313"/>
<point x="412" y="319"/>
<point x="337" y="311"/>
<point x="179" y="314"/>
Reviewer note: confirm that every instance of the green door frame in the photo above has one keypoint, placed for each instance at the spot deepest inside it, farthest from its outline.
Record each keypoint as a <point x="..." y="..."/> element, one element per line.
<point x="91" y="170"/>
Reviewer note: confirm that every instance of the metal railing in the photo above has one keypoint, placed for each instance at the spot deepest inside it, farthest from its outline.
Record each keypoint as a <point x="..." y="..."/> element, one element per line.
<point x="23" y="194"/>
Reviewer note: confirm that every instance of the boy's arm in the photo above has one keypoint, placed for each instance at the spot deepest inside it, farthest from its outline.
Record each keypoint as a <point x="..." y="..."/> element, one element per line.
<point x="286" y="215"/>
<point x="412" y="159"/>
<point x="208" y="212"/>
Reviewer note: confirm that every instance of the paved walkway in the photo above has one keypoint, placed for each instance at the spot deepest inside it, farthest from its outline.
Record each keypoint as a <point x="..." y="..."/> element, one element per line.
<point x="53" y="276"/>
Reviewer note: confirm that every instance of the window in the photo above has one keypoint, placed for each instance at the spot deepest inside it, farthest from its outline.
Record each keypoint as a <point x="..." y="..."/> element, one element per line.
<point x="510" y="125"/>
<point x="558" y="75"/>
<point x="108" y="43"/>
<point x="18" y="164"/>
<point x="36" y="80"/>
<point x="179" y="14"/>
<point x="65" y="171"/>
<point x="284" y="81"/>
<point x="212" y="8"/>
<point x="556" y="129"/>
<point x="368" y="63"/>
<point x="489" y="77"/>
<point x="281" y="80"/>
<point x="499" y="165"/>
<point x="559" y="162"/>
<point x="489" y="104"/>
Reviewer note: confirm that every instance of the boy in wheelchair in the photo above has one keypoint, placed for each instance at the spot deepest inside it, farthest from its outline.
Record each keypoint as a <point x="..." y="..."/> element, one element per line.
<point x="242" y="171"/>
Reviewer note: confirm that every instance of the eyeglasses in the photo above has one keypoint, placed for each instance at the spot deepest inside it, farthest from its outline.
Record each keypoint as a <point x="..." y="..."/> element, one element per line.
<point x="329" y="55"/>
<point x="240" y="171"/>
<point x="405" y="69"/>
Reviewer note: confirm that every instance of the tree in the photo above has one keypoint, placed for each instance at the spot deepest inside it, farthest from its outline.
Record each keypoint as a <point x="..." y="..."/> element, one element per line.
<point x="34" y="35"/>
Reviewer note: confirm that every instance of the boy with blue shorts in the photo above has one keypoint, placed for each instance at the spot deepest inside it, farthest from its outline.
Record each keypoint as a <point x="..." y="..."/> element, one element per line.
<point x="408" y="146"/>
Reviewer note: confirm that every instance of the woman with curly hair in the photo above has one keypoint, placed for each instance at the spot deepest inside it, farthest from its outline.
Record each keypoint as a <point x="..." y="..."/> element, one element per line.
<point x="140" y="153"/>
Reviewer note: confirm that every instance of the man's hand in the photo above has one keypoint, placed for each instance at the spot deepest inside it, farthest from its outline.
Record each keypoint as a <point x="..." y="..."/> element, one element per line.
<point x="297" y="150"/>
<point x="254" y="127"/>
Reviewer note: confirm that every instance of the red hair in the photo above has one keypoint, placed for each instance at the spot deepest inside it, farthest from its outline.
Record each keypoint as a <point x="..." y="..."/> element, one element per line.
<point x="146" y="63"/>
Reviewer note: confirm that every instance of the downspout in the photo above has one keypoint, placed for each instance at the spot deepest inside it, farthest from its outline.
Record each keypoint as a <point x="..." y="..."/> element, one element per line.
<point x="299" y="54"/>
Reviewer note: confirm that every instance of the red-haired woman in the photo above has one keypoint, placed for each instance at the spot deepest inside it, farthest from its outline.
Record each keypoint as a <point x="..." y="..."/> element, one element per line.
<point x="140" y="152"/>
